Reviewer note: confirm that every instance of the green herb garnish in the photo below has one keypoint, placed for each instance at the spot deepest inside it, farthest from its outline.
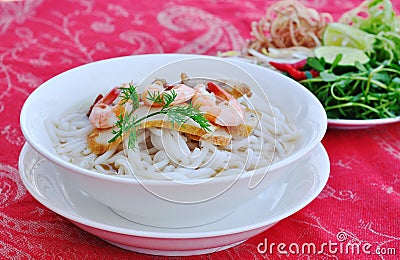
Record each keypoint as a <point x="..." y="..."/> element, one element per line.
<point x="363" y="91"/>
<point x="129" y="123"/>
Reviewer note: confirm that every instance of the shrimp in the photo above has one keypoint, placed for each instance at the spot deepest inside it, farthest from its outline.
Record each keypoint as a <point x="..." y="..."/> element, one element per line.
<point x="206" y="102"/>
<point x="103" y="113"/>
<point x="229" y="112"/>
<point x="183" y="93"/>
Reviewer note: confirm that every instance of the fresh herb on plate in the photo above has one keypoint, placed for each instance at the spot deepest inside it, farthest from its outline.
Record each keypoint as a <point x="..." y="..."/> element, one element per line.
<point x="373" y="16"/>
<point x="362" y="91"/>
<point x="130" y="124"/>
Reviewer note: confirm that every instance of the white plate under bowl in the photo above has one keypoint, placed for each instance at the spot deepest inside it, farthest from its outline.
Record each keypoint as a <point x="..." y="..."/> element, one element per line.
<point x="360" y="123"/>
<point x="43" y="181"/>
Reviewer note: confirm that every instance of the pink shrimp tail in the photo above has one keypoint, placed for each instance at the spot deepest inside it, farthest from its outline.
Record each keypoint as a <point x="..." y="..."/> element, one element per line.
<point x="103" y="114"/>
<point x="233" y="106"/>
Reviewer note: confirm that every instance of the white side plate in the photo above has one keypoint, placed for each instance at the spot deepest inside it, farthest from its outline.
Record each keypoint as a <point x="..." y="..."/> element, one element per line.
<point x="359" y="124"/>
<point x="44" y="183"/>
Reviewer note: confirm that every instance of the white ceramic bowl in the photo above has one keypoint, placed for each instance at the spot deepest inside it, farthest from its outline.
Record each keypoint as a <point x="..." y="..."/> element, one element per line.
<point x="171" y="203"/>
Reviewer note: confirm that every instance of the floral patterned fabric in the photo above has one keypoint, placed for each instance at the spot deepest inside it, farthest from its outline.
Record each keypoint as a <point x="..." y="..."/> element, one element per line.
<point x="41" y="38"/>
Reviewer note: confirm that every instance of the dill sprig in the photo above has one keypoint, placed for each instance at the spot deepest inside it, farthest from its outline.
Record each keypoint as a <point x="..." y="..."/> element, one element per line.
<point x="129" y="123"/>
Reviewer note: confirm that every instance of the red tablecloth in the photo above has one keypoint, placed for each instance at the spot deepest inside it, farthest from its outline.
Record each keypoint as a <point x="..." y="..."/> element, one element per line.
<point x="41" y="38"/>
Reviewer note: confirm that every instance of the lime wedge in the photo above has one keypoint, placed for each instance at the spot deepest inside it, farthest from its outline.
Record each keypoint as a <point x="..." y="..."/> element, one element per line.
<point x="338" y="34"/>
<point x="349" y="58"/>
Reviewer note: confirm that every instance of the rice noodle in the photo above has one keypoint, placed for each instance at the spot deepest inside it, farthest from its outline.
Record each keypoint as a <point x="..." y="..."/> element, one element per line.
<point x="168" y="154"/>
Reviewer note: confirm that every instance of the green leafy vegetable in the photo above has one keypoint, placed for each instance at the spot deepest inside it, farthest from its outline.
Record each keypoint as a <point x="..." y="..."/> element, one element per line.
<point x="380" y="17"/>
<point x="363" y="92"/>
<point x="129" y="123"/>
<point x="379" y="20"/>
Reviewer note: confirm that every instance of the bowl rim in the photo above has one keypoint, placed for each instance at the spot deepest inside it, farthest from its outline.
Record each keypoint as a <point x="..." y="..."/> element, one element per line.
<point x="115" y="178"/>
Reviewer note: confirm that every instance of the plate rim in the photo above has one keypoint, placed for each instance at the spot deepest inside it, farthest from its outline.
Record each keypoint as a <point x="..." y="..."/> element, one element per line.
<point x="360" y="123"/>
<point x="175" y="234"/>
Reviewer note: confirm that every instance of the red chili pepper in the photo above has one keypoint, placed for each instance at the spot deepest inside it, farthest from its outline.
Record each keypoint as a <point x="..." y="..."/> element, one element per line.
<point x="111" y="96"/>
<point x="301" y="75"/>
<point x="279" y="66"/>
<point x="300" y="64"/>
<point x="296" y="74"/>
<point x="282" y="66"/>
<point x="218" y="91"/>
<point x="294" y="69"/>
<point x="314" y="73"/>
